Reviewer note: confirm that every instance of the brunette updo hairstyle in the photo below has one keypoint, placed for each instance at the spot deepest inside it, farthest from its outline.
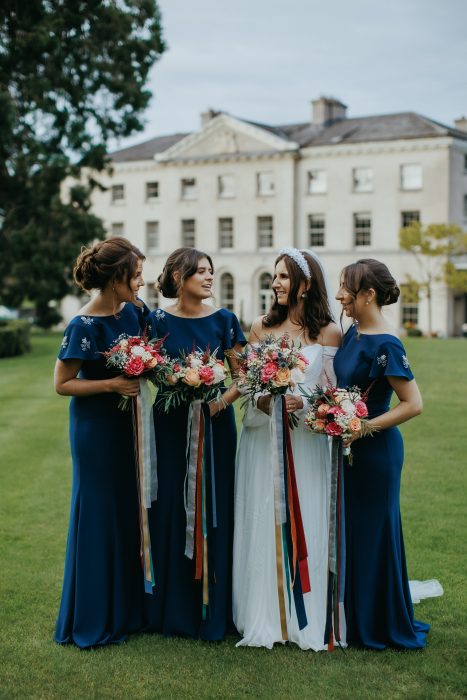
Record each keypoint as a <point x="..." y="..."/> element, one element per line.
<point x="112" y="260"/>
<point x="316" y="312"/>
<point x="185" y="261"/>
<point x="368" y="274"/>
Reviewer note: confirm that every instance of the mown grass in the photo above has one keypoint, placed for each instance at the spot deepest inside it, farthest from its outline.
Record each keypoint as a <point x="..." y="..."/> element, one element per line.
<point x="35" y="481"/>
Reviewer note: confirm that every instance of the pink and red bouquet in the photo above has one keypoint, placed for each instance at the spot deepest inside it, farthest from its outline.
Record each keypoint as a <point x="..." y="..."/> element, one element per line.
<point x="271" y="366"/>
<point x="136" y="356"/>
<point x="193" y="376"/>
<point x="338" y="413"/>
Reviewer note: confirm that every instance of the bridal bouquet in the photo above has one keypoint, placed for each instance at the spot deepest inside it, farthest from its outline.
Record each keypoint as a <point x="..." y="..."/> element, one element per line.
<point x="136" y="356"/>
<point x="338" y="413"/>
<point x="193" y="376"/>
<point x="272" y="366"/>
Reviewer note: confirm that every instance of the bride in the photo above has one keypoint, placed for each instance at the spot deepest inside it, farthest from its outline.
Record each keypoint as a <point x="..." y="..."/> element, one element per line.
<point x="301" y="310"/>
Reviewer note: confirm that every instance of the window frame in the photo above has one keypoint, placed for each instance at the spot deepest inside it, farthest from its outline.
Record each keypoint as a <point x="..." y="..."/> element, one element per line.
<point x="188" y="194"/>
<point x="114" y="189"/>
<point x="227" y="299"/>
<point x="368" y="185"/>
<point x="184" y="233"/>
<point x="322" y="232"/>
<point x="309" y="181"/>
<point x="259" y="232"/>
<point x="259" y="176"/>
<point x="154" y="197"/>
<point x="401" y="177"/>
<point x="359" y="231"/>
<point x="220" y="233"/>
<point x="152" y="249"/>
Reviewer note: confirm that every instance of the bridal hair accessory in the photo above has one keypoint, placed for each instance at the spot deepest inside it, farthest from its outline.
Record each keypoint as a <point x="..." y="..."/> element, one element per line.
<point x="298" y="258"/>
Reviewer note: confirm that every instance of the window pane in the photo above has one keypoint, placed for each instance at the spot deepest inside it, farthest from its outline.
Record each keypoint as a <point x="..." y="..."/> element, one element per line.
<point x="226" y="186"/>
<point x="362" y="179"/>
<point x="188" y="233"/>
<point x="265" y="232"/>
<point x="117" y="230"/>
<point x="408" y="217"/>
<point x="152" y="190"/>
<point x="317" y="182"/>
<point x="265" y="184"/>
<point x="118" y="193"/>
<point x="362" y="229"/>
<point x="266" y="294"/>
<point x="316" y="229"/>
<point x="152" y="295"/>
<point x="227" y="291"/>
<point x="411" y="176"/>
<point x="152" y="236"/>
<point x="225" y="227"/>
<point x="189" y="188"/>
<point x="409" y="315"/>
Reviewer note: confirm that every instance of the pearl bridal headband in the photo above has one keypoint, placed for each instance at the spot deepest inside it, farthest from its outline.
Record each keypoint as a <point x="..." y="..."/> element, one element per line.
<point x="298" y="258"/>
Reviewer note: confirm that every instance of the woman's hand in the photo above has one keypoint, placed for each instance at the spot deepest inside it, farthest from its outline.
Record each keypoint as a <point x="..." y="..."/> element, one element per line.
<point x="293" y="403"/>
<point x="214" y="407"/>
<point x="124" y="386"/>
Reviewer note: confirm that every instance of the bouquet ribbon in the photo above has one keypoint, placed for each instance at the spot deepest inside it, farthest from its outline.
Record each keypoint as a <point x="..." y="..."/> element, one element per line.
<point x="291" y="550"/>
<point x="146" y="471"/>
<point x="200" y="492"/>
<point x="335" y="617"/>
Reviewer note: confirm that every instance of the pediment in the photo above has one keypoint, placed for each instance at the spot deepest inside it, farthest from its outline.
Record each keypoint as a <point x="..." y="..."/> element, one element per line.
<point x="226" y="136"/>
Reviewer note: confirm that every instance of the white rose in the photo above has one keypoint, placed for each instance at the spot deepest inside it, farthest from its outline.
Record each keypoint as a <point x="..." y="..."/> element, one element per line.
<point x="219" y="374"/>
<point x="195" y="362"/>
<point x="137" y="351"/>
<point x="347" y="406"/>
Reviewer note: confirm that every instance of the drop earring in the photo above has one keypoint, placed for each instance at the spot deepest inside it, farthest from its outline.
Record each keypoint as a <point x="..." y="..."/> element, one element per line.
<point x="303" y="295"/>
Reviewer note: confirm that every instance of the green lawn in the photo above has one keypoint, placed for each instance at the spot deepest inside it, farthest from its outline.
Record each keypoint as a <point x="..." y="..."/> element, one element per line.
<point x="35" y="474"/>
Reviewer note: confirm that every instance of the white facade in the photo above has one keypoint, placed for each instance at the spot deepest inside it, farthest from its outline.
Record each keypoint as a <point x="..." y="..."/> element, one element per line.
<point x="236" y="180"/>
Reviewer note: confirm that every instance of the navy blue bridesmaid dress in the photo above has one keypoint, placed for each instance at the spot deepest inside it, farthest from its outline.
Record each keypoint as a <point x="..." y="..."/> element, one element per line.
<point x="175" y="608"/>
<point x="103" y="590"/>
<point x="378" y="605"/>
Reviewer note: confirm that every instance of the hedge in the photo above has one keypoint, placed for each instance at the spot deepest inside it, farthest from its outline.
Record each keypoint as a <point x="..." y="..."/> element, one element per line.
<point x="14" y="338"/>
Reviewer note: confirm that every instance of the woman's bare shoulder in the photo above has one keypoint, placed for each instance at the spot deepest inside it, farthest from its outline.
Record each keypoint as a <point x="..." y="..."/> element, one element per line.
<point x="330" y="335"/>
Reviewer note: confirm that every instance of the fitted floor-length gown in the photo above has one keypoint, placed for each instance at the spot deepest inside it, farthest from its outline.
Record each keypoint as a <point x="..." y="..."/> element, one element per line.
<point x="175" y="608"/>
<point x="378" y="602"/>
<point x="103" y="587"/>
<point x="255" y="591"/>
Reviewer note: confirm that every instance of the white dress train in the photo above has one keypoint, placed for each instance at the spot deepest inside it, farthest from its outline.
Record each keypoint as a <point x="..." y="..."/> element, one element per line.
<point x="255" y="592"/>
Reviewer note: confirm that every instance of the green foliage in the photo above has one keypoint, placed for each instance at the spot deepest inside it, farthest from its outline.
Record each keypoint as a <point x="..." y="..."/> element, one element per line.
<point x="72" y="76"/>
<point x="435" y="248"/>
<point x="14" y="338"/>
<point x="35" y="482"/>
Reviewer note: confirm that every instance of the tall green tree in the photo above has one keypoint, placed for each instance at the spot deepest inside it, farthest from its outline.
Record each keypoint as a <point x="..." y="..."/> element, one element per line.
<point x="436" y="248"/>
<point x="73" y="75"/>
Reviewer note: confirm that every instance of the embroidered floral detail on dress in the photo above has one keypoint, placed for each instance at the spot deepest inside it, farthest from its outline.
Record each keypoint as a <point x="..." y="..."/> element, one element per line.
<point x="87" y="320"/>
<point x="382" y="360"/>
<point x="405" y="362"/>
<point x="159" y="314"/>
<point x="232" y="332"/>
<point x="64" y="341"/>
<point x="85" y="344"/>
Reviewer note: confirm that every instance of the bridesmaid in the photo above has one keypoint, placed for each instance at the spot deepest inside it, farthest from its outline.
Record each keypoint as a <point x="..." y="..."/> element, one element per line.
<point x="378" y="605"/>
<point x="103" y="590"/>
<point x="176" y="606"/>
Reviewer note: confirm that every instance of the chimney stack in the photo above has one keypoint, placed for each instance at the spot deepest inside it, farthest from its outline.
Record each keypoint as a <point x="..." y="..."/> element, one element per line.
<point x="461" y="123"/>
<point x="327" y="110"/>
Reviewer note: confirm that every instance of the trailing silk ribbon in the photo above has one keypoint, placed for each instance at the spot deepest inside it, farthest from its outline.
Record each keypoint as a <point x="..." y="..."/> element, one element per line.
<point x="291" y="550"/>
<point x="200" y="491"/>
<point x="335" y="618"/>
<point x="146" y="471"/>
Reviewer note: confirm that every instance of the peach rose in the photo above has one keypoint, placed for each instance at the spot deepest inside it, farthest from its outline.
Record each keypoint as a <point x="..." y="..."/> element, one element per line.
<point x="171" y="379"/>
<point x="319" y="425"/>
<point x="322" y="409"/>
<point x="282" y="377"/>
<point x="192" y="377"/>
<point x="301" y="364"/>
<point x="152" y="363"/>
<point x="355" y="424"/>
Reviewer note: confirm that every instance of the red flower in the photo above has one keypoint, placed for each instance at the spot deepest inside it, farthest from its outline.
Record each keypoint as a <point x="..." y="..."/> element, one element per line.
<point x="206" y="374"/>
<point x="361" y="409"/>
<point x="269" y="371"/>
<point x="134" y="367"/>
<point x="333" y="429"/>
<point x="177" y="367"/>
<point x="335" y="411"/>
<point x="135" y="340"/>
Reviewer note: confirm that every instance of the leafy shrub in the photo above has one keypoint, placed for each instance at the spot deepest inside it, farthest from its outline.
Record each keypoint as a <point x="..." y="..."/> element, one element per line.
<point x="414" y="332"/>
<point x="14" y="338"/>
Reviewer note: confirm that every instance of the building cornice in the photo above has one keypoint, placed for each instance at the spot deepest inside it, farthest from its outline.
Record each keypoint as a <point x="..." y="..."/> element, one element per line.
<point x="438" y="143"/>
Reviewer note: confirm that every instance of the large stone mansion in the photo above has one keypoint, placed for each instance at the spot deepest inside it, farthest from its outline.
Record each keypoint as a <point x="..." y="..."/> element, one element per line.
<point x="240" y="190"/>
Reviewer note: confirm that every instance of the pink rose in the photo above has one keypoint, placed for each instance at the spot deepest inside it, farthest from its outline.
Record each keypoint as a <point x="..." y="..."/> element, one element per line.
<point x="206" y="374"/>
<point x="335" y="411"/>
<point x="269" y="371"/>
<point x="360" y="409"/>
<point x="333" y="429"/>
<point x="134" y="367"/>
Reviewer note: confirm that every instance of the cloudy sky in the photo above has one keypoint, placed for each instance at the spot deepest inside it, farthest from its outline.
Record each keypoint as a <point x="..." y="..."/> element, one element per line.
<point x="265" y="60"/>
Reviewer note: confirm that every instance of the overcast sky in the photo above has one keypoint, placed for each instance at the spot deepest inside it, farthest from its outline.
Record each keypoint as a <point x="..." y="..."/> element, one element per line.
<point x="264" y="60"/>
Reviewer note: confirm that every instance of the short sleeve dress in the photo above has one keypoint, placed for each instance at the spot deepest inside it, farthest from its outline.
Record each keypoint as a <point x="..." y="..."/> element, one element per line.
<point x="378" y="606"/>
<point x="103" y="589"/>
<point x="176" y="606"/>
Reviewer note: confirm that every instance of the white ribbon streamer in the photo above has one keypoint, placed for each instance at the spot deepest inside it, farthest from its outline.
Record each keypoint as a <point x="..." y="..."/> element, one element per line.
<point x="194" y="418"/>
<point x="277" y="443"/>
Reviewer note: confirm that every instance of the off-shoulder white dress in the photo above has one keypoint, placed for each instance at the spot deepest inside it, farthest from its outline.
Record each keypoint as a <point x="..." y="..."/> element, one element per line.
<point x="255" y="591"/>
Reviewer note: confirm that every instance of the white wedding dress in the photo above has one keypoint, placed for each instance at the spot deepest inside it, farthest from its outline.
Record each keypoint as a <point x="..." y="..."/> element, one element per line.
<point x="255" y="592"/>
